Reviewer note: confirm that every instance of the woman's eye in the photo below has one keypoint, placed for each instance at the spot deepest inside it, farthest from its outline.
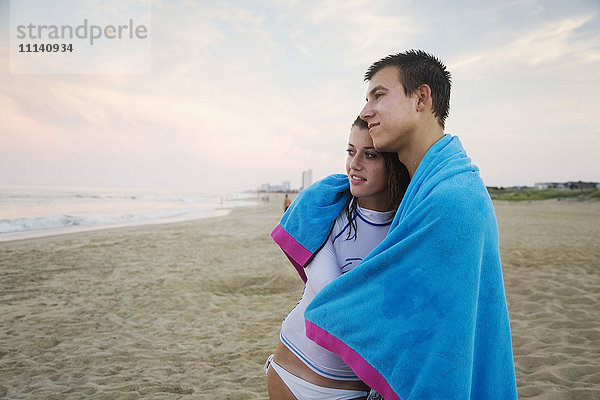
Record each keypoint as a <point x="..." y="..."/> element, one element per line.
<point x="370" y="155"/>
<point x="350" y="152"/>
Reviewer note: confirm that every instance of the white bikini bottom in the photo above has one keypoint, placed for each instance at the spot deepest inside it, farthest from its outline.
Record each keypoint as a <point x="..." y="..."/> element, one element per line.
<point x="304" y="390"/>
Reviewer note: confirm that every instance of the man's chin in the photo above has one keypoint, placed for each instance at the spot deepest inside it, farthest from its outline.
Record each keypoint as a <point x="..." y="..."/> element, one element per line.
<point x="382" y="147"/>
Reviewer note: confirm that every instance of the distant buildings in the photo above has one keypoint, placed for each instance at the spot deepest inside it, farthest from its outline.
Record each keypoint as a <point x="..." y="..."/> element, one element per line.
<point x="567" y="185"/>
<point x="285" y="186"/>
<point x="306" y="179"/>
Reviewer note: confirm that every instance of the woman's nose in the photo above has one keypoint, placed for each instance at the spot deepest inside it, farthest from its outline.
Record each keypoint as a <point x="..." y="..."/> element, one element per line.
<point x="356" y="163"/>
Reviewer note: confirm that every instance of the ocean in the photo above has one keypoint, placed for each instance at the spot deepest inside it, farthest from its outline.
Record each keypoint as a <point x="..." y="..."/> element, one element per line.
<point x="36" y="211"/>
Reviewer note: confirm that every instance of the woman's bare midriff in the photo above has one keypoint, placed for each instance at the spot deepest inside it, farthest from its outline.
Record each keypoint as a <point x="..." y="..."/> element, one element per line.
<point x="288" y="361"/>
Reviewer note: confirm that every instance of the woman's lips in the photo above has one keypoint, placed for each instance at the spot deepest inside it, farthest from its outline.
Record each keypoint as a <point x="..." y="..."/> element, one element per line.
<point x="355" y="179"/>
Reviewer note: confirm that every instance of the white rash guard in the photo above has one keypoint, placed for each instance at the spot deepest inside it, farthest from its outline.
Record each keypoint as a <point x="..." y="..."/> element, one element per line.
<point x="338" y="255"/>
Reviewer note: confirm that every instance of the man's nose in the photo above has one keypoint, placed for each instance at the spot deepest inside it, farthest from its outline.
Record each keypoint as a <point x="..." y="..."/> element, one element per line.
<point x="366" y="112"/>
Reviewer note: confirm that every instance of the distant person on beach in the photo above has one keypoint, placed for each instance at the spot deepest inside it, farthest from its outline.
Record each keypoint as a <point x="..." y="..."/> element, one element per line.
<point x="286" y="203"/>
<point x="424" y="315"/>
<point x="369" y="194"/>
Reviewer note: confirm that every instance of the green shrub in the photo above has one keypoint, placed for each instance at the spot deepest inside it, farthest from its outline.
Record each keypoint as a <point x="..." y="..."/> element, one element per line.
<point x="542" y="194"/>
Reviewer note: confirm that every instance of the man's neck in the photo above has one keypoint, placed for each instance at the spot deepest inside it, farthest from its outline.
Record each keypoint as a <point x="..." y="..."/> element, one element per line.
<point x="412" y="154"/>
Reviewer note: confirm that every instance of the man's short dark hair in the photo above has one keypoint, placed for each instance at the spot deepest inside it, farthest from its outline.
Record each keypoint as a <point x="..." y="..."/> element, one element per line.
<point x="415" y="68"/>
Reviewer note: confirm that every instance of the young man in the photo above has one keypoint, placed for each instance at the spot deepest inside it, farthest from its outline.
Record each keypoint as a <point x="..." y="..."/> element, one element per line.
<point x="424" y="315"/>
<point x="407" y="104"/>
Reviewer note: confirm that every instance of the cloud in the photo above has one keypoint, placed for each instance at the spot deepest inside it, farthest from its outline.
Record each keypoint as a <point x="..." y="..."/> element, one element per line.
<point x="250" y="93"/>
<point x="555" y="41"/>
<point x="357" y="31"/>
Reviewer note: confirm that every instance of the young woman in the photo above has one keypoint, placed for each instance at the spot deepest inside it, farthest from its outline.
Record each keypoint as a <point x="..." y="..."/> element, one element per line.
<point x="300" y="368"/>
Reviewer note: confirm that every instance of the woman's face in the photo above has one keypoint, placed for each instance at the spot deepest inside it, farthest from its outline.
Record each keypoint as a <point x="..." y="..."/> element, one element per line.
<point x="366" y="171"/>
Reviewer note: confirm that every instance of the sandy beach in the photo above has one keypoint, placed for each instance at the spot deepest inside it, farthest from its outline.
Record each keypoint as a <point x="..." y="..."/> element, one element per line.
<point x="191" y="310"/>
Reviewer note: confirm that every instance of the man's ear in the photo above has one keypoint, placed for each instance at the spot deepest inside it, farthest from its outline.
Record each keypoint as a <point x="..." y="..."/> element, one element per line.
<point x="423" y="94"/>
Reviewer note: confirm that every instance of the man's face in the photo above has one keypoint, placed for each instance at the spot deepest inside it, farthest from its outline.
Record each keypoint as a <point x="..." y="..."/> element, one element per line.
<point x="391" y="115"/>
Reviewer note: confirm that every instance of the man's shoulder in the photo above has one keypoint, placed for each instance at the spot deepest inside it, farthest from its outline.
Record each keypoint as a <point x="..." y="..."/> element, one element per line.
<point x="464" y="182"/>
<point x="463" y="193"/>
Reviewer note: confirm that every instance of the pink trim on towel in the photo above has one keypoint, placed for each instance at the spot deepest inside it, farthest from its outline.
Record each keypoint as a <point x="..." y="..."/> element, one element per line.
<point x="297" y="254"/>
<point x="298" y="267"/>
<point x="362" y="368"/>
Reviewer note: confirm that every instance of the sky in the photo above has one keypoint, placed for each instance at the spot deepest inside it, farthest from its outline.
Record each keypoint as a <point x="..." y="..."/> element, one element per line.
<point x="242" y="93"/>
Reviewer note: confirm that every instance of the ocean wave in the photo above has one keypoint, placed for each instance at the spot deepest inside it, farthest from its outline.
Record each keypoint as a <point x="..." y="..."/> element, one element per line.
<point x="28" y="224"/>
<point x="46" y="211"/>
<point x="66" y="221"/>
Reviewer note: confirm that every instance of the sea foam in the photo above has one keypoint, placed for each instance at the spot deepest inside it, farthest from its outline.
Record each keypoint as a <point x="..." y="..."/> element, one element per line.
<point x="42" y="210"/>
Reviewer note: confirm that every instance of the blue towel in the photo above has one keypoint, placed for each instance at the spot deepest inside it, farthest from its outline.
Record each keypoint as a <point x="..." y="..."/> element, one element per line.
<point x="424" y="315"/>
<point x="306" y="224"/>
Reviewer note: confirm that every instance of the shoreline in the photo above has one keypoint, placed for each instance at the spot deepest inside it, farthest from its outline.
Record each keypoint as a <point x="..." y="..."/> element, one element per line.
<point x="27" y="212"/>
<point x="82" y="229"/>
<point x="78" y="229"/>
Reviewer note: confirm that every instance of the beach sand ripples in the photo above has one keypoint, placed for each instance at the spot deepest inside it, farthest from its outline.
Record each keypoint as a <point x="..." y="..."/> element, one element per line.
<point x="551" y="258"/>
<point x="192" y="310"/>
